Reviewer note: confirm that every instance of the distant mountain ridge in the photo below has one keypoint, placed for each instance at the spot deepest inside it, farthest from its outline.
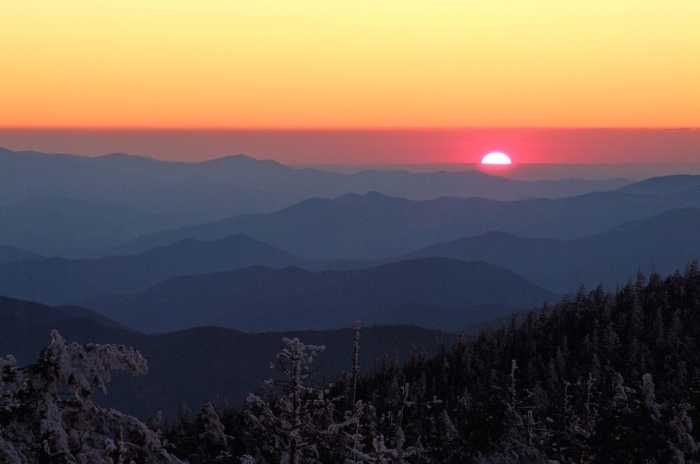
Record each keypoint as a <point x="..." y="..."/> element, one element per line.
<point x="140" y="195"/>
<point x="75" y="227"/>
<point x="128" y="179"/>
<point x="663" y="185"/>
<point x="663" y="243"/>
<point x="59" y="280"/>
<point x="376" y="226"/>
<point x="21" y="322"/>
<point x="260" y="299"/>
<point x="10" y="254"/>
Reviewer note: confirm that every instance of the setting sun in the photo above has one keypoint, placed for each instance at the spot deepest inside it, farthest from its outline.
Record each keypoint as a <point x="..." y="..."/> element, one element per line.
<point x="496" y="158"/>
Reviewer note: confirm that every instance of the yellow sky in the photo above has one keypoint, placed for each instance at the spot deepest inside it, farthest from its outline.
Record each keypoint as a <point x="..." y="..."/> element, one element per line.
<point x="334" y="63"/>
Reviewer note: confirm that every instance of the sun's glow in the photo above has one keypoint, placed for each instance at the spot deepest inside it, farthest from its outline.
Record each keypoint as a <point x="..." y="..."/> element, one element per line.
<point x="496" y="158"/>
<point x="365" y="64"/>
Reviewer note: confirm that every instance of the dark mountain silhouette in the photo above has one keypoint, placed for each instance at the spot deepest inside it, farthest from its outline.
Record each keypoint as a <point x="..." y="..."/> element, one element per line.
<point x="664" y="243"/>
<point x="376" y="226"/>
<point x="24" y="325"/>
<point x="467" y="319"/>
<point x="10" y="254"/>
<point x="260" y="299"/>
<point x="59" y="280"/>
<point x="196" y="365"/>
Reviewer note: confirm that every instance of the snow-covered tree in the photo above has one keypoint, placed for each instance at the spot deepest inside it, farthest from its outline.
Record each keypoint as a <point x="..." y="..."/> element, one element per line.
<point x="46" y="414"/>
<point x="291" y="427"/>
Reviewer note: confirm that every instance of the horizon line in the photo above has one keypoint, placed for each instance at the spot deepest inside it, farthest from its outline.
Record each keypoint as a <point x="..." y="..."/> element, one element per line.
<point x="302" y="165"/>
<point x="338" y="129"/>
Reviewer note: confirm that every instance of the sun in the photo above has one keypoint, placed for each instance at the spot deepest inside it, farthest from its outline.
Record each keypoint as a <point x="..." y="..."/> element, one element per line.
<point x="496" y="158"/>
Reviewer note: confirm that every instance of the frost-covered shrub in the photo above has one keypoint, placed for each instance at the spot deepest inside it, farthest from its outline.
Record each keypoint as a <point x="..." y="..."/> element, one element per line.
<point x="46" y="414"/>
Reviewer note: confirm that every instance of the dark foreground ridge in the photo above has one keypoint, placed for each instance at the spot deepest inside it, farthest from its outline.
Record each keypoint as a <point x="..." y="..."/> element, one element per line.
<point x="599" y="377"/>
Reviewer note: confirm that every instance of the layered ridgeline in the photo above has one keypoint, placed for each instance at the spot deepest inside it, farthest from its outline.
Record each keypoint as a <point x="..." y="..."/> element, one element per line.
<point x="196" y="365"/>
<point x="61" y="205"/>
<point x="436" y="293"/>
<point x="60" y="280"/>
<point x="663" y="243"/>
<point x="240" y="184"/>
<point x="76" y="206"/>
<point x="73" y="227"/>
<point x="10" y="254"/>
<point x="376" y="226"/>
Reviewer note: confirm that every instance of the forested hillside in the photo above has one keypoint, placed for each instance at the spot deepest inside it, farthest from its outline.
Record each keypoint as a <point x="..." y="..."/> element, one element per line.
<point x="600" y="377"/>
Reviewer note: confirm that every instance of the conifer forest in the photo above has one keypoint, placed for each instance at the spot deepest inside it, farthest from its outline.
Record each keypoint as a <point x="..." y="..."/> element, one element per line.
<point x="600" y="376"/>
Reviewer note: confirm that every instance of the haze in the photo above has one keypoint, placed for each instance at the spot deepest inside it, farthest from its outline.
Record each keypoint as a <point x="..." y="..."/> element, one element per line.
<point x="413" y="149"/>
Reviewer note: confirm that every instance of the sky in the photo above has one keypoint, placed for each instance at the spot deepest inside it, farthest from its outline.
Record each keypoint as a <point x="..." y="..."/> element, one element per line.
<point x="377" y="64"/>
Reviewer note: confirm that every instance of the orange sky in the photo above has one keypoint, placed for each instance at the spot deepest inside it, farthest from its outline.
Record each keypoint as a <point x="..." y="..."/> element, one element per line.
<point x="349" y="64"/>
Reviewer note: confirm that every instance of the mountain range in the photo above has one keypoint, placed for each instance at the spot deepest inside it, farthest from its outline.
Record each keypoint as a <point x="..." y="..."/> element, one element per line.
<point x="665" y="243"/>
<point x="376" y="226"/>
<point x="162" y="252"/>
<point x="239" y="184"/>
<point x="58" y="226"/>
<point x="73" y="206"/>
<point x="11" y="254"/>
<point x="435" y="293"/>
<point x="60" y="280"/>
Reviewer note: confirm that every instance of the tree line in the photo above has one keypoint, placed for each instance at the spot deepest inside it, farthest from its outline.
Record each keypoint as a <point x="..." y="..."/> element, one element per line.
<point x="599" y="377"/>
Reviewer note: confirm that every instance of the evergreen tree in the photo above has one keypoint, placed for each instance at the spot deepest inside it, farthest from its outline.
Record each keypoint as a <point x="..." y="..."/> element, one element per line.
<point x="290" y="428"/>
<point x="46" y="414"/>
